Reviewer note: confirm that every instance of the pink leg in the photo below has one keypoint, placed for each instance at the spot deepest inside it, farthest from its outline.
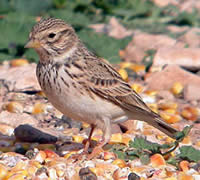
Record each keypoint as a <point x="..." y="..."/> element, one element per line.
<point x="106" y="137"/>
<point x="87" y="145"/>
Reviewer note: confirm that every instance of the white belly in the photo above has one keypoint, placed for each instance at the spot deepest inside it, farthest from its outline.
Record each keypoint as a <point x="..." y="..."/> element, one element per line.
<point x="84" y="108"/>
<point x="75" y="105"/>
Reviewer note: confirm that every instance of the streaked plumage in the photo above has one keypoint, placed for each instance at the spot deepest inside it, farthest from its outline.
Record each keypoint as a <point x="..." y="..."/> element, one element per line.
<point x="83" y="86"/>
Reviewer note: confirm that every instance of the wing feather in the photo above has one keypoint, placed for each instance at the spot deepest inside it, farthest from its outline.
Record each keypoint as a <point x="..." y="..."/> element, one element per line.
<point x="112" y="87"/>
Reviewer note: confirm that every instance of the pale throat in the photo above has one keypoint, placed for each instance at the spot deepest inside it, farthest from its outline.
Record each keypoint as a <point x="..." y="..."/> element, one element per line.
<point x="69" y="53"/>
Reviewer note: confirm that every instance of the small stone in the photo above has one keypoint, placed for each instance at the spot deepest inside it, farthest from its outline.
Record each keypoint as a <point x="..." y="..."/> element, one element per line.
<point x="168" y="76"/>
<point x="27" y="133"/>
<point x="40" y="156"/>
<point x="42" y="170"/>
<point x="133" y="176"/>
<point x="52" y="173"/>
<point x="6" y="129"/>
<point x="191" y="92"/>
<point x="31" y="153"/>
<point x="165" y="94"/>
<point x="87" y="174"/>
<point x="15" y="74"/>
<point x="185" y="57"/>
<point x="69" y="146"/>
<point x="50" y="154"/>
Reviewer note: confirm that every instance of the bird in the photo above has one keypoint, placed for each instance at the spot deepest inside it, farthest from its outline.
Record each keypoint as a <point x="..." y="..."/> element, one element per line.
<point x="83" y="86"/>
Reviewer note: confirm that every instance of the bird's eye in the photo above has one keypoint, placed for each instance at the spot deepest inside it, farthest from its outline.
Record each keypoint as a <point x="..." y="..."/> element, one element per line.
<point x="51" y="35"/>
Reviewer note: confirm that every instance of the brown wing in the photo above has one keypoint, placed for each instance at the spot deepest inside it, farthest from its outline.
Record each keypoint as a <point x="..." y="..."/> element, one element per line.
<point x="106" y="82"/>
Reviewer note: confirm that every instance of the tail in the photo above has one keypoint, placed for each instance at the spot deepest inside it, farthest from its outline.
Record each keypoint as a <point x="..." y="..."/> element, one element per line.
<point x="158" y="123"/>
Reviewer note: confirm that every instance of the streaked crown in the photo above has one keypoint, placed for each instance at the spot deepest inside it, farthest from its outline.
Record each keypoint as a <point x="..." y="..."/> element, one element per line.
<point x="52" y="37"/>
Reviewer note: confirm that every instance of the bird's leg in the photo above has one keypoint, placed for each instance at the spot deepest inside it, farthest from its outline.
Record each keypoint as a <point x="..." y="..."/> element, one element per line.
<point x="87" y="145"/>
<point x="106" y="137"/>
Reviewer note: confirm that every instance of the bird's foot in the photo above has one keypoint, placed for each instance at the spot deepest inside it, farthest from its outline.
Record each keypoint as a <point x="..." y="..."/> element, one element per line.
<point x="95" y="152"/>
<point x="77" y="157"/>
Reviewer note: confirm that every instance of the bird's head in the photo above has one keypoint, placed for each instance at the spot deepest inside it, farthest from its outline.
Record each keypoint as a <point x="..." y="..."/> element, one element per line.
<point x="52" y="38"/>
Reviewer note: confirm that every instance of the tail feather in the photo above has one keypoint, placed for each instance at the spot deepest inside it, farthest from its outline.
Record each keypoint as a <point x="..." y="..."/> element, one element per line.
<point x="154" y="120"/>
<point x="163" y="126"/>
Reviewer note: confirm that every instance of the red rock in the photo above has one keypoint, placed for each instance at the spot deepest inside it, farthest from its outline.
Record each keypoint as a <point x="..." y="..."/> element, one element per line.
<point x="99" y="28"/>
<point x="164" y="94"/>
<point x="165" y="79"/>
<point x="113" y="29"/>
<point x="189" y="6"/>
<point x="117" y="30"/>
<point x="116" y="129"/>
<point x="191" y="92"/>
<point x="191" y="37"/>
<point x="133" y="53"/>
<point x="141" y="42"/>
<point x="186" y="57"/>
<point x="21" y="77"/>
<point x="177" y="29"/>
<point x="152" y="41"/>
<point x="162" y="3"/>
<point x="15" y="120"/>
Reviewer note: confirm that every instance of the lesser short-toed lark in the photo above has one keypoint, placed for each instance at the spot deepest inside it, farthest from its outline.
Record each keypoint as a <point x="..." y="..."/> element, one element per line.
<point x="83" y="86"/>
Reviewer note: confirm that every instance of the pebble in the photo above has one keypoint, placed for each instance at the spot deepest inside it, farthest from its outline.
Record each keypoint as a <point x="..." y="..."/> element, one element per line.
<point x="87" y="174"/>
<point x="27" y="133"/>
<point x="69" y="146"/>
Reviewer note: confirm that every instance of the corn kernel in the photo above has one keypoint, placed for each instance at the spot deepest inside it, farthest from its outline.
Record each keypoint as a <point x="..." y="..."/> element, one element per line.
<point x="120" y="163"/>
<point x="157" y="160"/>
<point x="137" y="88"/>
<point x="116" y="138"/>
<point x="19" y="62"/>
<point x="177" y="88"/>
<point x="184" y="165"/>
<point x="123" y="74"/>
<point x="78" y="139"/>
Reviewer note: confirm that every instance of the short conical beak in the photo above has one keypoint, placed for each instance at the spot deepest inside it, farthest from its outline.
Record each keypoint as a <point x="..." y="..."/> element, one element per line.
<point x="33" y="44"/>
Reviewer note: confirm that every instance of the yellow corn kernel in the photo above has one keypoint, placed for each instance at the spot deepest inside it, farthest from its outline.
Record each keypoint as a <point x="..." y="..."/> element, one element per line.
<point x="153" y="107"/>
<point x="177" y="88"/>
<point x="137" y="88"/>
<point x="137" y="68"/>
<point x="38" y="108"/>
<point x="124" y="65"/>
<point x="70" y="154"/>
<point x="151" y="92"/>
<point x="168" y="105"/>
<point x="123" y="74"/>
<point x="119" y="162"/>
<point x="78" y="139"/>
<point x="19" y="62"/>
<point x="116" y="138"/>
<point x="157" y="160"/>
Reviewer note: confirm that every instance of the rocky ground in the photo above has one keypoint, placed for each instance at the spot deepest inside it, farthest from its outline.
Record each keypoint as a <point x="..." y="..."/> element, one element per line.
<point x="37" y="141"/>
